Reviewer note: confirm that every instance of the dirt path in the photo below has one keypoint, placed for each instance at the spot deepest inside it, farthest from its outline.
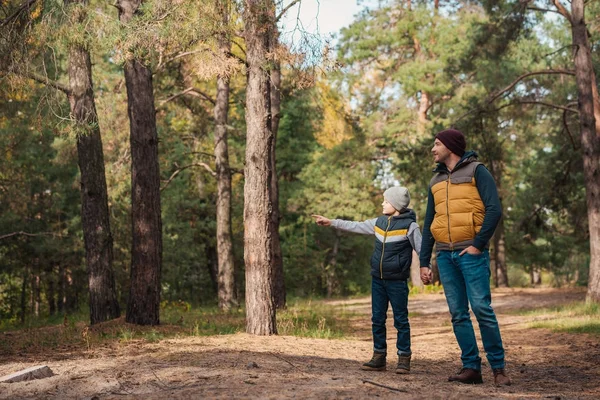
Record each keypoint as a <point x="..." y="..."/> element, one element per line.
<point x="541" y="363"/>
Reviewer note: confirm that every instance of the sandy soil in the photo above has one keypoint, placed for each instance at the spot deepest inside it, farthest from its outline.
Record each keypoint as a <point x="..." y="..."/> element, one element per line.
<point x="541" y="363"/>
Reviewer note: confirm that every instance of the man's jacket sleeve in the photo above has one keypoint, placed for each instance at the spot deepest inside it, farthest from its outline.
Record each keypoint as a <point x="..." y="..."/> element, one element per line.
<point x="493" y="210"/>
<point x="427" y="241"/>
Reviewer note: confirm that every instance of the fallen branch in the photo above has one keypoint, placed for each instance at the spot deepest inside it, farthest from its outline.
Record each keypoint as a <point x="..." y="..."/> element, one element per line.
<point x="385" y="387"/>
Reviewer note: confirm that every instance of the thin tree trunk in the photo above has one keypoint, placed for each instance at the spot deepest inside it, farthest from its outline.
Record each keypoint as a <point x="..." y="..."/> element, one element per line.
<point x="146" y="253"/>
<point x="279" y="294"/>
<point x="422" y="112"/>
<point x="226" y="267"/>
<point x="590" y="141"/>
<point x="94" y="197"/>
<point x="35" y="295"/>
<point x="62" y="299"/>
<point x="330" y="267"/>
<point x="50" y="290"/>
<point x="535" y="276"/>
<point x="500" y="270"/>
<point x="24" y="295"/>
<point x="258" y="250"/>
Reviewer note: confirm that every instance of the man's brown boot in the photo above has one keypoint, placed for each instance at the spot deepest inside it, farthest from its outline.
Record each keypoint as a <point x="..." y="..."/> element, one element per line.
<point x="403" y="366"/>
<point x="467" y="375"/>
<point x="377" y="363"/>
<point x="500" y="377"/>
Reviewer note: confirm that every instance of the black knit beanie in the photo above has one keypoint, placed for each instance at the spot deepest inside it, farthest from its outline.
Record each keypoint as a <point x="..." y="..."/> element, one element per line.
<point x="454" y="140"/>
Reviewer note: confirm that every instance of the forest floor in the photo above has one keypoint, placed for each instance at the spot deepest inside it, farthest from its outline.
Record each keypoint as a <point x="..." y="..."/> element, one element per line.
<point x="541" y="363"/>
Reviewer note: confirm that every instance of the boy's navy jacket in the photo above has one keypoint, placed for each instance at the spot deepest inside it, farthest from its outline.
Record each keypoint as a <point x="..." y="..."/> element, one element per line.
<point x="395" y="239"/>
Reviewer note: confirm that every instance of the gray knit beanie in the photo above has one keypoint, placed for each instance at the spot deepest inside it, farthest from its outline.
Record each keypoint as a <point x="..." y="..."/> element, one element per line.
<point x="398" y="197"/>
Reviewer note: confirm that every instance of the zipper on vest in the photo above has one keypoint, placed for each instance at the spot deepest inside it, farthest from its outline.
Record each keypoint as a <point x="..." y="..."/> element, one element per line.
<point x="383" y="247"/>
<point x="448" y="211"/>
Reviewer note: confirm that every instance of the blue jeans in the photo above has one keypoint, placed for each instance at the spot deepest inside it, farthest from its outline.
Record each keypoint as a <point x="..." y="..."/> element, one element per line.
<point x="466" y="280"/>
<point x="384" y="292"/>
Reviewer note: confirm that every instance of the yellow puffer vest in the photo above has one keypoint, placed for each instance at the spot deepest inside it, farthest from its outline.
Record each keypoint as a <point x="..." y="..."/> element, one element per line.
<point x="459" y="211"/>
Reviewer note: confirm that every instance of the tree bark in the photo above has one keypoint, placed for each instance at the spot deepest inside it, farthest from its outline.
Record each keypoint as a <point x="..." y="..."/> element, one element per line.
<point x="590" y="141"/>
<point x="330" y="267"/>
<point x="499" y="255"/>
<point x="62" y="284"/>
<point x="279" y="294"/>
<point x="35" y="295"/>
<point x="24" y="295"/>
<point x="535" y="276"/>
<point x="500" y="270"/>
<point x="95" y="220"/>
<point x="146" y="253"/>
<point x="50" y="290"/>
<point x="258" y="250"/>
<point x="226" y="270"/>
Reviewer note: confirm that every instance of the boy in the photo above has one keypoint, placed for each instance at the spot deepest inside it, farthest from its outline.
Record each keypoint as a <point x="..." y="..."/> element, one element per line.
<point x="396" y="235"/>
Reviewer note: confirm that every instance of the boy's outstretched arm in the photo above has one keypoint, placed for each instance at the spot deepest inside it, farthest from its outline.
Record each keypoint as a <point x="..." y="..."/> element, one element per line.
<point x="365" y="227"/>
<point x="321" y="220"/>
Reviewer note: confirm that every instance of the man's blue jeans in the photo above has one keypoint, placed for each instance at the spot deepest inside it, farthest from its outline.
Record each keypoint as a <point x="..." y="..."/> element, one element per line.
<point x="466" y="280"/>
<point x="383" y="293"/>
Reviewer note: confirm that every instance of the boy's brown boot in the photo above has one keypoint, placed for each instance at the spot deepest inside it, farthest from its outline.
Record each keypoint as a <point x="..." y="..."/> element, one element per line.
<point x="403" y="366"/>
<point x="467" y="375"/>
<point x="500" y="377"/>
<point x="376" y="363"/>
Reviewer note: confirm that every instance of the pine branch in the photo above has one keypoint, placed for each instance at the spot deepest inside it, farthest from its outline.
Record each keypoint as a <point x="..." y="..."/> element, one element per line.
<point x="563" y="11"/>
<point x="48" y="82"/>
<point x="191" y="91"/>
<point x="543" y="103"/>
<point x="282" y="13"/>
<point x="174" y="174"/>
<point x="501" y="92"/>
<point x="5" y="236"/>
<point x="25" y="6"/>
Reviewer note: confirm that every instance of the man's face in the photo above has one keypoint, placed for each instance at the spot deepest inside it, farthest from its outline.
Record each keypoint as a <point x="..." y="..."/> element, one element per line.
<point x="440" y="152"/>
<point x="388" y="209"/>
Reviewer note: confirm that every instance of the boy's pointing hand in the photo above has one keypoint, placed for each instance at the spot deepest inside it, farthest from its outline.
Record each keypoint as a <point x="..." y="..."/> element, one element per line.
<point x="321" y="220"/>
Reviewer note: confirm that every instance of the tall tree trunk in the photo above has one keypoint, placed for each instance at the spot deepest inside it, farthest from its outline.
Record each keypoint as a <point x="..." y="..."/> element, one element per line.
<point x="279" y="294"/>
<point x="97" y="236"/>
<point x="226" y="267"/>
<point x="50" y="290"/>
<point x="146" y="252"/>
<point x="590" y="140"/>
<point x="499" y="254"/>
<point x="258" y="250"/>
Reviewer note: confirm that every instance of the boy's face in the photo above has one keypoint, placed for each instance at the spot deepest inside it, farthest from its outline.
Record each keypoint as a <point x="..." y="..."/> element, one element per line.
<point x="388" y="209"/>
<point x="440" y="152"/>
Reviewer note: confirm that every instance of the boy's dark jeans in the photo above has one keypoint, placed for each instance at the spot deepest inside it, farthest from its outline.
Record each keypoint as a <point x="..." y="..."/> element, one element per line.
<point x="384" y="292"/>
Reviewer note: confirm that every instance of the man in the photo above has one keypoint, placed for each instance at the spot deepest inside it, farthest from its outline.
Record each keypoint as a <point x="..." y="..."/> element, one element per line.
<point x="463" y="210"/>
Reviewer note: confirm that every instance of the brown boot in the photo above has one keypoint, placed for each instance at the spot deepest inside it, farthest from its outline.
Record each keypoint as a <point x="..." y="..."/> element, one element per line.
<point x="500" y="377"/>
<point x="403" y="366"/>
<point x="467" y="375"/>
<point x="377" y="363"/>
